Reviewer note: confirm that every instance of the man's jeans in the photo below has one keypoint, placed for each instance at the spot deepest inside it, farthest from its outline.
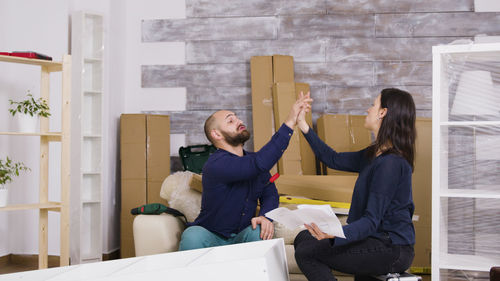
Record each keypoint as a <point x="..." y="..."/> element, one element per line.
<point x="196" y="237"/>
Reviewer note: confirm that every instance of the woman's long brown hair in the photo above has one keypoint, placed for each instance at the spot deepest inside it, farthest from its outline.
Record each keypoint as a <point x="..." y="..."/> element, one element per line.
<point x="397" y="132"/>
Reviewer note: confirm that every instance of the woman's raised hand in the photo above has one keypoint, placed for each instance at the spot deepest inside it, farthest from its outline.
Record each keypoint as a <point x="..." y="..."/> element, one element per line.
<point x="301" y="118"/>
<point x="302" y="103"/>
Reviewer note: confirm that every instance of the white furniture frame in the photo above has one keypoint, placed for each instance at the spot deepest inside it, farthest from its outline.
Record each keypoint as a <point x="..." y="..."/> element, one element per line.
<point x="262" y="260"/>
<point x="87" y="131"/>
<point x="460" y="198"/>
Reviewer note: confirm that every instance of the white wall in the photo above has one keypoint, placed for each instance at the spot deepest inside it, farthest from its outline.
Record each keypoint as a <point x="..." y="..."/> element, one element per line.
<point x="41" y="27"/>
<point x="127" y="54"/>
<point x="139" y="99"/>
<point x="44" y="27"/>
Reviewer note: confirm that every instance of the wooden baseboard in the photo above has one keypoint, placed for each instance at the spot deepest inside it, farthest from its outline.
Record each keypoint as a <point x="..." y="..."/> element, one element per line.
<point x="5" y="260"/>
<point x="111" y="256"/>
<point x="32" y="260"/>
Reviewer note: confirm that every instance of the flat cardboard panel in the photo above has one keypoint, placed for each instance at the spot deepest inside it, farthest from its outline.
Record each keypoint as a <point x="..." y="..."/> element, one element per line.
<point x="306" y="154"/>
<point x="133" y="128"/>
<point x="422" y="191"/>
<point x="261" y="72"/>
<point x="127" y="249"/>
<point x="195" y="183"/>
<point x="158" y="149"/>
<point x="283" y="99"/>
<point x="422" y="174"/>
<point x="343" y="133"/>
<point x="145" y="163"/>
<point x="291" y="167"/>
<point x="331" y="188"/>
<point x="132" y="143"/>
<point x="133" y="161"/>
<point x="422" y="247"/>
<point x="283" y="69"/>
<point x="153" y="193"/>
<point x="133" y="195"/>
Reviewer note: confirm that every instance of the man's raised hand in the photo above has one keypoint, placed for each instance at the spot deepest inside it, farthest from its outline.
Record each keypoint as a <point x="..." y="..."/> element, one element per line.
<point x="302" y="103"/>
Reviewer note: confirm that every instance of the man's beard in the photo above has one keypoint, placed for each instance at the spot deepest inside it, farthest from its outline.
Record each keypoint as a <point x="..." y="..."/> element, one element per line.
<point x="235" y="140"/>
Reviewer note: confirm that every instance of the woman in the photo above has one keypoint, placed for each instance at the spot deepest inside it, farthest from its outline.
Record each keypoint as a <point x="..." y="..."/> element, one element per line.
<point x="380" y="234"/>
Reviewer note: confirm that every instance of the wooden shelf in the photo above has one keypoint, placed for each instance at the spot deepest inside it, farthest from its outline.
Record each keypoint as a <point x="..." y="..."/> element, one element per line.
<point x="45" y="137"/>
<point x="51" y="65"/>
<point x="50" y="136"/>
<point x="17" y="207"/>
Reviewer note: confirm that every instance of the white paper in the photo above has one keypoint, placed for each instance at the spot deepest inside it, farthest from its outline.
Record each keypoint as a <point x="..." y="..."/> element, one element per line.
<point x="322" y="215"/>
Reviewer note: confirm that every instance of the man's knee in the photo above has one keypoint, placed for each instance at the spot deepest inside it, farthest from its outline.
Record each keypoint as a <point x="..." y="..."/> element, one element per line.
<point x="253" y="234"/>
<point x="248" y="235"/>
<point x="194" y="237"/>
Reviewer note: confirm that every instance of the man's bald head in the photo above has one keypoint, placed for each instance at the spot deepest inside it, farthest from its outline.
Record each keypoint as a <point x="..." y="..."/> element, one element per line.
<point x="225" y="126"/>
<point x="210" y="124"/>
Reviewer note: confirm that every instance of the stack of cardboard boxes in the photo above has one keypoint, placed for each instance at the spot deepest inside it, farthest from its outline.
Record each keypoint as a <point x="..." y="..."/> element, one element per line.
<point x="273" y="93"/>
<point x="145" y="163"/>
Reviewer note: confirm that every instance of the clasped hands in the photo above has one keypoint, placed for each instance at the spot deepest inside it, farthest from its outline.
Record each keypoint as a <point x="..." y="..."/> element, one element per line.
<point x="297" y="117"/>
<point x="298" y="112"/>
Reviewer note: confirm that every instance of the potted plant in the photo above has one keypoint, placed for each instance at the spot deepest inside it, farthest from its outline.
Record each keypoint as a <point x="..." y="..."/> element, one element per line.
<point x="30" y="109"/>
<point x="8" y="170"/>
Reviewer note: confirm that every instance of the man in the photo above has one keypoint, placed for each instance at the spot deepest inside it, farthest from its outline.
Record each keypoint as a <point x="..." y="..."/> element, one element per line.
<point x="234" y="180"/>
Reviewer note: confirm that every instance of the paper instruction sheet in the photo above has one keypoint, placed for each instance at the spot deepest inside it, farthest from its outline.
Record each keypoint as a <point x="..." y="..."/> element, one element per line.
<point x="322" y="215"/>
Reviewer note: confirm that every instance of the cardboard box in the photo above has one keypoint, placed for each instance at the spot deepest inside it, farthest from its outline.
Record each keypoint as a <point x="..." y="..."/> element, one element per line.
<point x="306" y="154"/>
<point x="422" y="191"/>
<point x="343" y="133"/>
<point x="145" y="163"/>
<point x="283" y="70"/>
<point x="283" y="99"/>
<point x="336" y="188"/>
<point x="261" y="73"/>
<point x="264" y="72"/>
<point x="195" y="183"/>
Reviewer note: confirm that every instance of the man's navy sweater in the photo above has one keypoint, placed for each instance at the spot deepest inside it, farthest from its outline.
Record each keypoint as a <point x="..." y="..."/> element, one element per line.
<point x="382" y="198"/>
<point x="232" y="186"/>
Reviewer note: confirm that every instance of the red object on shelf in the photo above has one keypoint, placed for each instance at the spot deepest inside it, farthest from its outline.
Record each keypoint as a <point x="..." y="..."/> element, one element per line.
<point x="27" y="54"/>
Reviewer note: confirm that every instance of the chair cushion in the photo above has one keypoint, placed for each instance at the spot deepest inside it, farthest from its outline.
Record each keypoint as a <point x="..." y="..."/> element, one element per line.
<point x="175" y="189"/>
<point x="155" y="234"/>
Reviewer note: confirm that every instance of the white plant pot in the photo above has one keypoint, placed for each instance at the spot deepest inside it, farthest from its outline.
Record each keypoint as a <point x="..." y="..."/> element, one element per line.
<point x="27" y="123"/>
<point x="4" y="195"/>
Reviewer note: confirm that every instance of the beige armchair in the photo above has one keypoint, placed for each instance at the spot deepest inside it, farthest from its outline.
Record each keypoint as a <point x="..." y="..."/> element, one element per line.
<point x="154" y="234"/>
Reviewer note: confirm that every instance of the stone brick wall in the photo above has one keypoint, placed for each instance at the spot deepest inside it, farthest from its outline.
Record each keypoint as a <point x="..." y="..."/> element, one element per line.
<point x="348" y="50"/>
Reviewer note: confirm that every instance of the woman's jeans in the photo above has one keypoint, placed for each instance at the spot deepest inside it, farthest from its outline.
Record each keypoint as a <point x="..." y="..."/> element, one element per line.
<point x="371" y="256"/>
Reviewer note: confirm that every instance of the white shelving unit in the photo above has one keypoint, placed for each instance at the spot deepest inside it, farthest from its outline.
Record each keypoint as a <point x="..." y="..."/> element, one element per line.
<point x="87" y="52"/>
<point x="466" y="161"/>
